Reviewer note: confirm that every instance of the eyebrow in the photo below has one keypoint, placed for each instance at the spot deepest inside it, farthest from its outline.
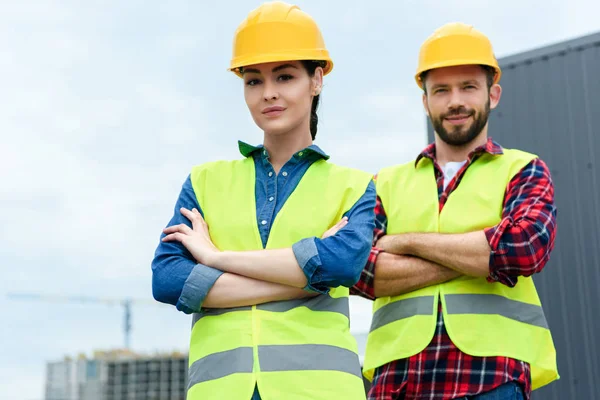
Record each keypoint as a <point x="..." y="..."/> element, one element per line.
<point x="438" y="85"/>
<point x="278" y="68"/>
<point x="444" y="85"/>
<point x="284" y="66"/>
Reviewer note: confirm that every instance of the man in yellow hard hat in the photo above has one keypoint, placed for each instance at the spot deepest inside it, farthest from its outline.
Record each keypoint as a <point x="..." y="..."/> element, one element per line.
<point x="459" y="232"/>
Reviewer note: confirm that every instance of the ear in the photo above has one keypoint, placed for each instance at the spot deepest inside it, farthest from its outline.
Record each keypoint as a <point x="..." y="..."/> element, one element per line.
<point x="317" y="81"/>
<point x="495" y="94"/>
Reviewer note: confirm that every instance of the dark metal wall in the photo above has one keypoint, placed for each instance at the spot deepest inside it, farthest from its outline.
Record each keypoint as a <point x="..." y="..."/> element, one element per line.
<point x="550" y="106"/>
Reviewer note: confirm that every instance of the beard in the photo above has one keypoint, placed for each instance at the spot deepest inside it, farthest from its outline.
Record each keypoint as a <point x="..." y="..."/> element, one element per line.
<point x="461" y="135"/>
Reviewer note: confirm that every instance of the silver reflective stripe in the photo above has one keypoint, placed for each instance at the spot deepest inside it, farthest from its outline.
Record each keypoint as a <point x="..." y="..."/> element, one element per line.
<point x="318" y="303"/>
<point x="209" y="312"/>
<point x="495" y="304"/>
<point x="308" y="357"/>
<point x="219" y="365"/>
<point x="402" y="309"/>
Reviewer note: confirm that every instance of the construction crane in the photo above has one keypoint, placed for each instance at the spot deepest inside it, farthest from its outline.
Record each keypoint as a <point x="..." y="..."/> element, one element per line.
<point x="126" y="303"/>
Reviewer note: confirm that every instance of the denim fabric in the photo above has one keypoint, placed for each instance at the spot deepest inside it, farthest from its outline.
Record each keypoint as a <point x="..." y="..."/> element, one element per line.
<point x="507" y="391"/>
<point x="335" y="261"/>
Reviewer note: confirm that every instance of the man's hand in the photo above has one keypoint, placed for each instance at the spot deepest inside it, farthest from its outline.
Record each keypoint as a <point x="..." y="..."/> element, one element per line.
<point x="467" y="253"/>
<point x="196" y="239"/>
<point x="395" y="244"/>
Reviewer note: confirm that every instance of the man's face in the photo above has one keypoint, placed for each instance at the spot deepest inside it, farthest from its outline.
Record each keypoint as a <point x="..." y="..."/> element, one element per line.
<point x="458" y="102"/>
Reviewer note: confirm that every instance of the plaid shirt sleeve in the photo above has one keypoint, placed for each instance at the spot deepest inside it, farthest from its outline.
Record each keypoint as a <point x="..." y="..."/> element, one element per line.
<point x="521" y="243"/>
<point x="365" y="285"/>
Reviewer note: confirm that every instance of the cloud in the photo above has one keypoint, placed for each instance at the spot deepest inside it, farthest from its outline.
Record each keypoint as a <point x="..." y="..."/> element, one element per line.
<point x="105" y="106"/>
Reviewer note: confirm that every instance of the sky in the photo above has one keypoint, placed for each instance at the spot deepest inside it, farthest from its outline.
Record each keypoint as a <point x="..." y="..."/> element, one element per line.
<point x="106" y="105"/>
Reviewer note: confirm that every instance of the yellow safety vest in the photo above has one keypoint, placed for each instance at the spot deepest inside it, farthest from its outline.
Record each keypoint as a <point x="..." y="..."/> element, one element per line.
<point x="293" y="350"/>
<point x="482" y="318"/>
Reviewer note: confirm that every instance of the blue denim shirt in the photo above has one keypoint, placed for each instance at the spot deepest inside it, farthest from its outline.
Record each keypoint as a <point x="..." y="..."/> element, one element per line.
<point x="179" y="280"/>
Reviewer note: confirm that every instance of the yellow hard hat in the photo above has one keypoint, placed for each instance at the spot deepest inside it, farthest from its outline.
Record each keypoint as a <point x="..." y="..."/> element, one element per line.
<point x="277" y="31"/>
<point x="456" y="44"/>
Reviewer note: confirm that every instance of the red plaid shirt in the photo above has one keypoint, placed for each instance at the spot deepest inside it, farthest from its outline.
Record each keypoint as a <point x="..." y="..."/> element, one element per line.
<point x="520" y="243"/>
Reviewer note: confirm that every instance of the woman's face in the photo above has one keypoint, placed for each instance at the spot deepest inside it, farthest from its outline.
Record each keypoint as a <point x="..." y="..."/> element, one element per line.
<point x="279" y="95"/>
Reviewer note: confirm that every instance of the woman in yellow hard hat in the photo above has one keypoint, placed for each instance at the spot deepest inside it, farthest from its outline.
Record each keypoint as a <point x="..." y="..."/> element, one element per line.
<point x="262" y="250"/>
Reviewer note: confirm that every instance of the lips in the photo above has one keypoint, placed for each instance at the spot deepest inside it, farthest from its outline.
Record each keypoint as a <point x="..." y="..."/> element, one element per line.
<point x="458" y="119"/>
<point x="273" y="111"/>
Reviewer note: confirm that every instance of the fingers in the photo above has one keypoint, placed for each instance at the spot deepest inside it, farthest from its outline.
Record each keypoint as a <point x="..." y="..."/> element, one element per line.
<point x="195" y="218"/>
<point x="177" y="236"/>
<point x="181" y="228"/>
<point x="343" y="222"/>
<point x="203" y="222"/>
<point x="336" y="228"/>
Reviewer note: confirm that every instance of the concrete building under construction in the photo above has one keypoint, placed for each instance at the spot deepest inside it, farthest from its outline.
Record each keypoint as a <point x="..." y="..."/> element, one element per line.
<point x="118" y="375"/>
<point x="124" y="375"/>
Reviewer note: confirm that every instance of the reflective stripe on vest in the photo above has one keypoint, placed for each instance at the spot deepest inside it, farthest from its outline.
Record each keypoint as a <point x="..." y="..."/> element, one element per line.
<point x="402" y="309"/>
<point x="219" y="365"/>
<point x="276" y="358"/>
<point x="461" y="304"/>
<point x="300" y="348"/>
<point x="319" y="303"/>
<point x="509" y="322"/>
<point x="494" y="304"/>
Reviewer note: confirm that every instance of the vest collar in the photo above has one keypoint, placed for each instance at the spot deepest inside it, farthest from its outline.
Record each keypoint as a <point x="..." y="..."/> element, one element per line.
<point x="247" y="150"/>
<point x="490" y="147"/>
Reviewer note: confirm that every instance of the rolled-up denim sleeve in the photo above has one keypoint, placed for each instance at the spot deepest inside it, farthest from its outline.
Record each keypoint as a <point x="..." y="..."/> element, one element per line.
<point x="177" y="278"/>
<point x="196" y="288"/>
<point x="338" y="260"/>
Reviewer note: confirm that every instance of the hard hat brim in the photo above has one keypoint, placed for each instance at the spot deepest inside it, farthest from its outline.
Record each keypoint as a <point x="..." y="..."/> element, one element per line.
<point x="236" y="64"/>
<point x="456" y="63"/>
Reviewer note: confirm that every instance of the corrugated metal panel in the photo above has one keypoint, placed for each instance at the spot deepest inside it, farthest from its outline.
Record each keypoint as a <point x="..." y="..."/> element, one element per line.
<point x="550" y="106"/>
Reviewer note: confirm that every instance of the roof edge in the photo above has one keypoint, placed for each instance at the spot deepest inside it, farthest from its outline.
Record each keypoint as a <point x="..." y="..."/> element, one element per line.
<point x="551" y="50"/>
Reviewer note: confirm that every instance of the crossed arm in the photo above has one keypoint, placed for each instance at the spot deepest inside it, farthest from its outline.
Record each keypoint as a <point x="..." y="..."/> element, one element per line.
<point x="190" y="273"/>
<point x="232" y="290"/>
<point x="248" y="277"/>
<point x="519" y="245"/>
<point x="416" y="260"/>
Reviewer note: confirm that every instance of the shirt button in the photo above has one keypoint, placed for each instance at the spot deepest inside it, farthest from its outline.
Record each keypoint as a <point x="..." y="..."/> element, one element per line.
<point x="300" y="154"/>
<point x="284" y="173"/>
<point x="270" y="173"/>
<point x="271" y="198"/>
<point x="263" y="222"/>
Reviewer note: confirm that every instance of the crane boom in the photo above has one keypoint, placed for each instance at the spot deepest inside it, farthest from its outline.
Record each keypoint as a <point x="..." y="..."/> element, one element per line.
<point x="125" y="302"/>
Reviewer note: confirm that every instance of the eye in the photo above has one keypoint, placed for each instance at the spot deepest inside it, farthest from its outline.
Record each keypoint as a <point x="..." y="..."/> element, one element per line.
<point x="439" y="90"/>
<point x="252" y="82"/>
<point x="285" y="77"/>
<point x="470" y="87"/>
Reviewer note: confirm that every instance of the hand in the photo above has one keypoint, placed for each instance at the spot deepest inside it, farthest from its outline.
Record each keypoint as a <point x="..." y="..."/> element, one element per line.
<point x="335" y="229"/>
<point x="396" y="244"/>
<point x="196" y="239"/>
<point x="384" y="242"/>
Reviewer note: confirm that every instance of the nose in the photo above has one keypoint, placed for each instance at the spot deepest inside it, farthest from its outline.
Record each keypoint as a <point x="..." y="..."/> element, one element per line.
<point x="455" y="100"/>
<point x="270" y="91"/>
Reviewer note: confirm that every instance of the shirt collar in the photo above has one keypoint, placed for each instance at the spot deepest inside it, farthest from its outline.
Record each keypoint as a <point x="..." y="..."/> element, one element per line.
<point x="490" y="147"/>
<point x="248" y="150"/>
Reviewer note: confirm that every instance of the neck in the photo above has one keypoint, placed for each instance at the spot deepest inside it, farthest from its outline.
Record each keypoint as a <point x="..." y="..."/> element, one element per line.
<point x="445" y="152"/>
<point x="282" y="147"/>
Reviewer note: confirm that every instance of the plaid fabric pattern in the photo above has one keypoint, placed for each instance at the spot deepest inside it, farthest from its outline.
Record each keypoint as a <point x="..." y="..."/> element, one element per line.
<point x="520" y="243"/>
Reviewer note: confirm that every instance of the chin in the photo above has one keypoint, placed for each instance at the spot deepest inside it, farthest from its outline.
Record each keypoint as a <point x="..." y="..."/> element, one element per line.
<point x="276" y="128"/>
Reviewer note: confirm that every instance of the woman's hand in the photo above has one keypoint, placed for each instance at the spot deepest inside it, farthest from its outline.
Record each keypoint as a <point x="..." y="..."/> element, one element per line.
<point x="196" y="239"/>
<point x="334" y="229"/>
